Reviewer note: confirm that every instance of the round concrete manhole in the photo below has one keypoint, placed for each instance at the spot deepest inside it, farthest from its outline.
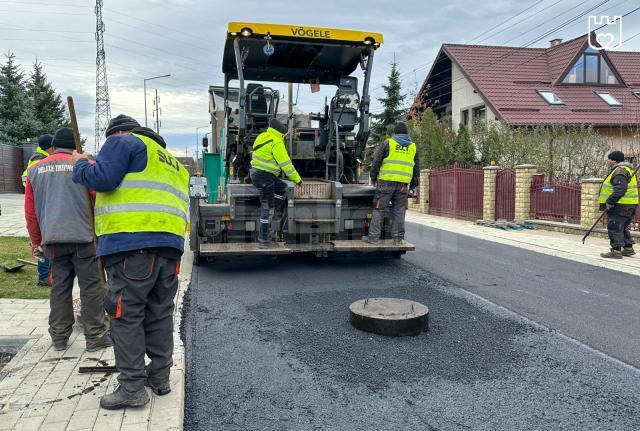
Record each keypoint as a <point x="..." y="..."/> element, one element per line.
<point x="389" y="316"/>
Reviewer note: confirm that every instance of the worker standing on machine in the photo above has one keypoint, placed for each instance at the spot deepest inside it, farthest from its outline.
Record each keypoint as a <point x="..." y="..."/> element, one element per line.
<point x="141" y="213"/>
<point x="268" y="158"/>
<point x="395" y="169"/>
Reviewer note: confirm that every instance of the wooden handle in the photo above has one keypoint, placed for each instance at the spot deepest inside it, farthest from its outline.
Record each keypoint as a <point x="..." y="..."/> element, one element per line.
<point x="74" y="124"/>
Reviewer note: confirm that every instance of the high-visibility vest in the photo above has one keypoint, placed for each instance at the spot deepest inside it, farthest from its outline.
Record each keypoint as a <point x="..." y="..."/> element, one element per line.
<point x="35" y="158"/>
<point x="270" y="155"/>
<point x="398" y="165"/>
<point x="630" y="197"/>
<point x="153" y="200"/>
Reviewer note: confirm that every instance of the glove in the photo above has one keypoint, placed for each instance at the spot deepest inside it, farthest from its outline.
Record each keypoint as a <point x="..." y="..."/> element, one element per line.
<point x="299" y="183"/>
<point x="609" y="206"/>
<point x="37" y="251"/>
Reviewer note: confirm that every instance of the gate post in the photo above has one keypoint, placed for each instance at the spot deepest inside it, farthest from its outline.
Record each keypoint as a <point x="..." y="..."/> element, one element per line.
<point x="524" y="175"/>
<point x="489" y="193"/>
<point x="421" y="203"/>
<point x="589" y="208"/>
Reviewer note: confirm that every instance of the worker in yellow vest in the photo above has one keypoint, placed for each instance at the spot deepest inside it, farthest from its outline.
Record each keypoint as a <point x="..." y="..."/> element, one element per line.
<point x="619" y="196"/>
<point x="395" y="169"/>
<point x="268" y="158"/>
<point x="141" y="213"/>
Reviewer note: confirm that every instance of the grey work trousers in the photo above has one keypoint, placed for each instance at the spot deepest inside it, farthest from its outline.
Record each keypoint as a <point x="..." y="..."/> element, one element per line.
<point x="397" y="194"/>
<point x="273" y="197"/>
<point x="140" y="293"/>
<point x="69" y="260"/>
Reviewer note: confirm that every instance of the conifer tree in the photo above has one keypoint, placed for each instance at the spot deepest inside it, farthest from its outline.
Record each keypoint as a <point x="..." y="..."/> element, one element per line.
<point x="48" y="108"/>
<point x="16" y="119"/>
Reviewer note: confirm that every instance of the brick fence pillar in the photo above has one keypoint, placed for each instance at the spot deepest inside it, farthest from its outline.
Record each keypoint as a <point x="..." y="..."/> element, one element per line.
<point x="489" y="198"/>
<point x="589" y="208"/>
<point x="422" y="203"/>
<point x="524" y="175"/>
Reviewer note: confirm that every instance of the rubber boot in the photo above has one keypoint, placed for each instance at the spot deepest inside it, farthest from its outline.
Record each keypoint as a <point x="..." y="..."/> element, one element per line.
<point x="122" y="398"/>
<point x="397" y="242"/>
<point x="371" y="240"/>
<point x="264" y="236"/>
<point x="612" y="254"/>
<point x="628" y="251"/>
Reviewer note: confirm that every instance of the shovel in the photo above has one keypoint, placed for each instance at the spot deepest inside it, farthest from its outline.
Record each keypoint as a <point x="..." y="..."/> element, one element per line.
<point x="15" y="268"/>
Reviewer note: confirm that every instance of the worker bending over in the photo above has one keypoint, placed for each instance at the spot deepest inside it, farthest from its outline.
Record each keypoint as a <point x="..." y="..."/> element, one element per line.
<point x="619" y="196"/>
<point x="141" y="215"/>
<point x="43" y="150"/>
<point x="395" y="169"/>
<point x="268" y="159"/>
<point x="59" y="223"/>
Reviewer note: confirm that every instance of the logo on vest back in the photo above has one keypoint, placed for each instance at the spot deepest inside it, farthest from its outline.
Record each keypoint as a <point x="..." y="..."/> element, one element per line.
<point x="401" y="148"/>
<point x="165" y="158"/>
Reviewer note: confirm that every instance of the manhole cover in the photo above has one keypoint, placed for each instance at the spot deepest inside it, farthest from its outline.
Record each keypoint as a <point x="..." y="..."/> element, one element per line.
<point x="389" y="316"/>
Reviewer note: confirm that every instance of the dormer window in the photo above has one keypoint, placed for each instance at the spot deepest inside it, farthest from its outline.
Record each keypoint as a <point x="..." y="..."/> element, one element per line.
<point x="591" y="68"/>
<point x="550" y="97"/>
<point x="608" y="98"/>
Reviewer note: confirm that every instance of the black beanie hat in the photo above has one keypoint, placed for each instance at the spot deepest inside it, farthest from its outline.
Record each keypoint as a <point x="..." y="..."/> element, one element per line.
<point x="616" y="156"/>
<point x="275" y="124"/>
<point x="44" y="141"/>
<point x="400" y="128"/>
<point x="121" y="123"/>
<point x="64" y="138"/>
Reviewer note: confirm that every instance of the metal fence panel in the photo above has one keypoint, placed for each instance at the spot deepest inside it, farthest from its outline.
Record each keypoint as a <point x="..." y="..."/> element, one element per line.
<point x="555" y="200"/>
<point x="456" y="191"/>
<point x="506" y="194"/>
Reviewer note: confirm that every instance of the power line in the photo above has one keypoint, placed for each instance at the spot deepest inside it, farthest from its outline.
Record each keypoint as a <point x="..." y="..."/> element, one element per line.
<point x="507" y="20"/>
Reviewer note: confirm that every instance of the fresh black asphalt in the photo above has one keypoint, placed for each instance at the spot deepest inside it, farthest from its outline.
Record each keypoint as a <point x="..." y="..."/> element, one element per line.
<point x="269" y="345"/>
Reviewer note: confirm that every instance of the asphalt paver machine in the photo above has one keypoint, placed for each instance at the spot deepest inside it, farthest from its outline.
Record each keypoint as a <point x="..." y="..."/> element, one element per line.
<point x="331" y="211"/>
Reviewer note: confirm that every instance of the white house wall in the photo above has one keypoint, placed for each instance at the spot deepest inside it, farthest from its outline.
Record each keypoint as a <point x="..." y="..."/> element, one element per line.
<point x="463" y="97"/>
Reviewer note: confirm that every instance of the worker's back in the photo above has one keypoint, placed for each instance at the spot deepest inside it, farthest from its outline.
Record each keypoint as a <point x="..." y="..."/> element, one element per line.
<point x="61" y="205"/>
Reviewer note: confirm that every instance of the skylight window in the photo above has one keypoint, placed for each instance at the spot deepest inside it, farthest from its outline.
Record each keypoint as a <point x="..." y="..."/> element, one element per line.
<point x="608" y="98"/>
<point x="550" y="97"/>
<point x="637" y="94"/>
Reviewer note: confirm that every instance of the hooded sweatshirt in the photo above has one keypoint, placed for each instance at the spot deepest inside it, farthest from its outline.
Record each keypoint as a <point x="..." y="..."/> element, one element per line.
<point x="383" y="151"/>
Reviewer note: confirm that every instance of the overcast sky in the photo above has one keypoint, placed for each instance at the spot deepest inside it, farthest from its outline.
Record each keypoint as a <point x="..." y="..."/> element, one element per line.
<point x="145" y="38"/>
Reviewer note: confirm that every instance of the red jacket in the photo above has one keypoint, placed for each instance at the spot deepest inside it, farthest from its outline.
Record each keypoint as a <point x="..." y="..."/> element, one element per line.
<point x="31" y="215"/>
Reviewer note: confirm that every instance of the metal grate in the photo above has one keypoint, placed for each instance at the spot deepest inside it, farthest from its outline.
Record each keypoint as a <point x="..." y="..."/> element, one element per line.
<point x="313" y="190"/>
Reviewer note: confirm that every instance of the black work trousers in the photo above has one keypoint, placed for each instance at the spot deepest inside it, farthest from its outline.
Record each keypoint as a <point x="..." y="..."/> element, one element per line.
<point x="396" y="193"/>
<point x="140" y="293"/>
<point x="619" y="219"/>
<point x="68" y="261"/>
<point x="273" y="197"/>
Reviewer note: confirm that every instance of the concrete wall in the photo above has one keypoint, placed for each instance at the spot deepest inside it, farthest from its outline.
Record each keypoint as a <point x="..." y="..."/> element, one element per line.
<point x="463" y="98"/>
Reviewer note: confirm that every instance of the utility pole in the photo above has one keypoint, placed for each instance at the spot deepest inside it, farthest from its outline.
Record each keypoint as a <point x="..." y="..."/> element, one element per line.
<point x="144" y="82"/>
<point x="103" y="109"/>
<point x="157" y="111"/>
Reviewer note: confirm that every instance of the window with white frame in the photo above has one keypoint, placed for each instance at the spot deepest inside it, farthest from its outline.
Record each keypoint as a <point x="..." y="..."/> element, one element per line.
<point x="550" y="97"/>
<point x="608" y="98"/>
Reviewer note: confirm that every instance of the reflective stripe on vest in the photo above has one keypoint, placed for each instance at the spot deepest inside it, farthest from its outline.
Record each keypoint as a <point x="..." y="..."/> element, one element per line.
<point x="398" y="165"/>
<point x="154" y="200"/>
<point x="629" y="198"/>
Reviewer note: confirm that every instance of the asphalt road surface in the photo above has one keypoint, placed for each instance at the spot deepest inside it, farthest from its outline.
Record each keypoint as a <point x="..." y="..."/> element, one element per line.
<point x="269" y="344"/>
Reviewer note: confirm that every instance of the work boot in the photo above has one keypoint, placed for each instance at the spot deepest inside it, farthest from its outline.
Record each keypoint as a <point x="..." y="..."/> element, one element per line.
<point x="158" y="387"/>
<point x="371" y="240"/>
<point x="43" y="283"/>
<point x="121" y="398"/>
<point x="613" y="254"/>
<point x="397" y="242"/>
<point x="628" y="251"/>
<point x="102" y="343"/>
<point x="60" y="345"/>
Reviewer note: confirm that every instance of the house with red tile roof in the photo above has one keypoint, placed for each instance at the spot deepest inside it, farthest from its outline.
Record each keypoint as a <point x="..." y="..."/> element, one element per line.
<point x="567" y="83"/>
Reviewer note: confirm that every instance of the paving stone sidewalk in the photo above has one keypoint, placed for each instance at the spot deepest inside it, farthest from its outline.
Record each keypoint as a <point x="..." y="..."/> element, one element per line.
<point x="567" y="246"/>
<point x="41" y="389"/>
<point x="12" y="221"/>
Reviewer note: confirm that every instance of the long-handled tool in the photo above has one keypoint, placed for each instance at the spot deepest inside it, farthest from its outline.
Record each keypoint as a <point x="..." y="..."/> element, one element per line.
<point x="584" y="238"/>
<point x="78" y="142"/>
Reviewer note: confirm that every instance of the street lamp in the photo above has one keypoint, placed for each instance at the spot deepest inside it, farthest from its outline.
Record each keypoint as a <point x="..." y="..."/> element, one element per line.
<point x="145" y="94"/>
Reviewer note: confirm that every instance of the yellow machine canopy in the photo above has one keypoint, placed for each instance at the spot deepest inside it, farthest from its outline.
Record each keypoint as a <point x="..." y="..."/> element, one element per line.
<point x="297" y="54"/>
